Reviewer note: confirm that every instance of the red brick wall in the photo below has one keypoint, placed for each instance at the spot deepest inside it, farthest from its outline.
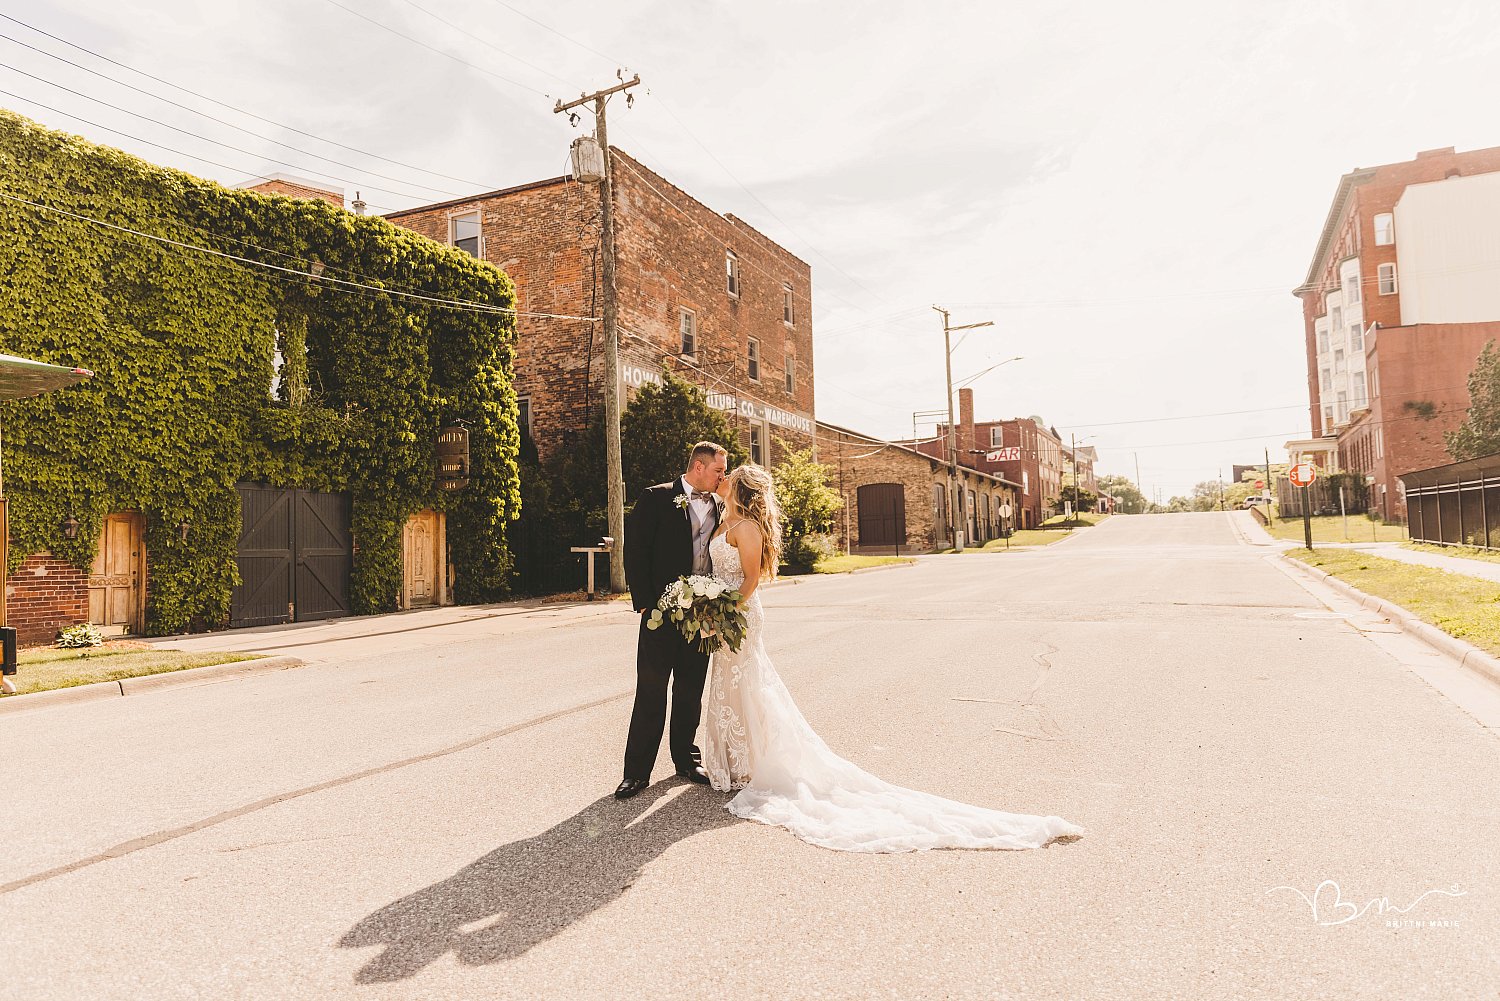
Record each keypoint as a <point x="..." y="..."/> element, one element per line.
<point x="669" y="254"/>
<point x="1413" y="366"/>
<point x="857" y="461"/>
<point x="1356" y="236"/>
<point x="279" y="186"/>
<point x="544" y="236"/>
<point x="45" y="596"/>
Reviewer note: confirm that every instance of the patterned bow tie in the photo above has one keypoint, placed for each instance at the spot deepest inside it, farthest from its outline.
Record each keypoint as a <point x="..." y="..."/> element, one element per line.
<point x="701" y="495"/>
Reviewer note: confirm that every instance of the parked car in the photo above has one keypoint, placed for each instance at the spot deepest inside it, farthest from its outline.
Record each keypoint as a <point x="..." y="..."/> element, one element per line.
<point x="1256" y="500"/>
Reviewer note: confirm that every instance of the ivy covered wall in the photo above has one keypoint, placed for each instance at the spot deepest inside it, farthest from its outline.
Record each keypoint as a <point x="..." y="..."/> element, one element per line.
<point x="182" y="346"/>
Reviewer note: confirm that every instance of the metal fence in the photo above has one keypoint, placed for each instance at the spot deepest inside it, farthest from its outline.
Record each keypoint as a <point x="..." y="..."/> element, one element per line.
<point x="1455" y="505"/>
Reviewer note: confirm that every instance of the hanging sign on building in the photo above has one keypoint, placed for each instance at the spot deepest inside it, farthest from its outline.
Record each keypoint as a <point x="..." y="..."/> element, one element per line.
<point x="1011" y="454"/>
<point x="453" y="458"/>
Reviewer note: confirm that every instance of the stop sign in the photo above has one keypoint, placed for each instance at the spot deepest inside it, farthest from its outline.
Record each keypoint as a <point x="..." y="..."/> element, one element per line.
<point x="1302" y="474"/>
<point x="1260" y="484"/>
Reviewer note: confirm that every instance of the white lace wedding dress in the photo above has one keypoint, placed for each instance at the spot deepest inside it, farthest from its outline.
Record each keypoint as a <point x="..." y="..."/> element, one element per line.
<point x="757" y="742"/>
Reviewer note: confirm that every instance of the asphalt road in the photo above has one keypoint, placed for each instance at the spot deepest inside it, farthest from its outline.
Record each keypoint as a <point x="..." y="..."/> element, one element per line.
<point x="426" y="813"/>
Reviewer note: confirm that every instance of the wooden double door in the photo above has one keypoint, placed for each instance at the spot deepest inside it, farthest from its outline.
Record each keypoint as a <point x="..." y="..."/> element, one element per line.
<point x="295" y="556"/>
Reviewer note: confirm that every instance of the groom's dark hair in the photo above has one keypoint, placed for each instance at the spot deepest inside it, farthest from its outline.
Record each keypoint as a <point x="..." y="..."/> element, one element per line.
<point x="705" y="452"/>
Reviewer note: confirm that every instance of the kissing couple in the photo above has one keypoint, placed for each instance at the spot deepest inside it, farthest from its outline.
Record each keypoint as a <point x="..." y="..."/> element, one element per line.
<point x="756" y="743"/>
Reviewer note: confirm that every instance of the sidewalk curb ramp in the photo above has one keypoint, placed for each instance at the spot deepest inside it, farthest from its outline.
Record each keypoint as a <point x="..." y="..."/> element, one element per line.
<point x="1467" y="654"/>
<point x="146" y="683"/>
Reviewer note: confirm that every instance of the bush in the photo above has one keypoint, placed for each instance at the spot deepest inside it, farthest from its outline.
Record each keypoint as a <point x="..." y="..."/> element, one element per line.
<point x="803" y="552"/>
<point x="82" y="635"/>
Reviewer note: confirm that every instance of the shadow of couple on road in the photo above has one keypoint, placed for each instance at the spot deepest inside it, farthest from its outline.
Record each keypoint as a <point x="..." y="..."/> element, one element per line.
<point x="530" y="890"/>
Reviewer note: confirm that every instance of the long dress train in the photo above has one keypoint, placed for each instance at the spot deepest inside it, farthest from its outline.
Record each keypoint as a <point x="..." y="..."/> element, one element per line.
<point x="756" y="741"/>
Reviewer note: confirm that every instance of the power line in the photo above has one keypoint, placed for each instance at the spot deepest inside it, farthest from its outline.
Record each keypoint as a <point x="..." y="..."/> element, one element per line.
<point x="336" y="283"/>
<point x="468" y="33"/>
<point x="215" y="142"/>
<point x="127" y="135"/>
<point x="229" y="107"/>
<point x="432" y="48"/>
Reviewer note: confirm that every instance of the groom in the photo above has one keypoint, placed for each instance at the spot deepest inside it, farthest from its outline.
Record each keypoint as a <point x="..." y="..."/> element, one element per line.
<point x="666" y="536"/>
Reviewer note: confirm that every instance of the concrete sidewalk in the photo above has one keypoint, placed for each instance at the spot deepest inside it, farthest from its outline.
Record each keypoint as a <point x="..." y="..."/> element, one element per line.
<point x="1453" y="564"/>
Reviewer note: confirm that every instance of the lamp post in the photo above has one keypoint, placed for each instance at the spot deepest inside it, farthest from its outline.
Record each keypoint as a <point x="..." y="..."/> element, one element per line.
<point x="955" y="492"/>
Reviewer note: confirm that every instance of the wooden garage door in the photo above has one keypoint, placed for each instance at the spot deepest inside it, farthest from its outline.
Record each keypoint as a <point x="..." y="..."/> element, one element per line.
<point x="295" y="555"/>
<point x="882" y="515"/>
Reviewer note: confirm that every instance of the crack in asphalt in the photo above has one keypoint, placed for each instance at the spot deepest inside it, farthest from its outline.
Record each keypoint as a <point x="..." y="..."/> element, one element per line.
<point x="172" y="834"/>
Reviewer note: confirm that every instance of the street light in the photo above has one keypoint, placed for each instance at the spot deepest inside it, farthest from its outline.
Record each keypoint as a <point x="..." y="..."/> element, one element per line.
<point x="955" y="509"/>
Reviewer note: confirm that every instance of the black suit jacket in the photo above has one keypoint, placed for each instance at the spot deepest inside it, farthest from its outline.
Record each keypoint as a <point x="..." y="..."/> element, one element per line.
<point x="658" y="543"/>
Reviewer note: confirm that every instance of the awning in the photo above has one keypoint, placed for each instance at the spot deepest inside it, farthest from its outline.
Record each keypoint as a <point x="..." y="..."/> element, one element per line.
<point x="22" y="377"/>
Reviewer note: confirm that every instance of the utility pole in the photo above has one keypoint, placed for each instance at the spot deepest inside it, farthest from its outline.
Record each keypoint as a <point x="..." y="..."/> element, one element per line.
<point x="1139" y="486"/>
<point x="955" y="491"/>
<point x="1269" y="485"/>
<point x="614" y="465"/>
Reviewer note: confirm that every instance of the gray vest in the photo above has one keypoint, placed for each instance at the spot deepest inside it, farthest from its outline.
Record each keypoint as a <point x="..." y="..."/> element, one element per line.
<point x="701" y="520"/>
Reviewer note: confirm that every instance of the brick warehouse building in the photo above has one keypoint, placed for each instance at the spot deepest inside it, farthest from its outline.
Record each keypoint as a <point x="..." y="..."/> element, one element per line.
<point x="1402" y="294"/>
<point x="896" y="497"/>
<point x="705" y="294"/>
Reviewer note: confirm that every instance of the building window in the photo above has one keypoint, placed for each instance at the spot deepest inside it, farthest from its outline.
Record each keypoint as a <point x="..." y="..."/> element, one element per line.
<point x="791" y="374"/>
<point x="466" y="235"/>
<point x="732" y="271"/>
<point x="1379" y="444"/>
<point x="1356" y="338"/>
<point x="1338" y="319"/>
<point x="788" y="311"/>
<point x="1386" y="275"/>
<point x="1327" y="418"/>
<point x="1385" y="229"/>
<point x="997" y="436"/>
<point x="1327" y="381"/>
<point x="1323" y="341"/>
<point x="687" y="323"/>
<point x="757" y="445"/>
<point x="523" y="416"/>
<point x="1351" y="287"/>
<point x="752" y="359"/>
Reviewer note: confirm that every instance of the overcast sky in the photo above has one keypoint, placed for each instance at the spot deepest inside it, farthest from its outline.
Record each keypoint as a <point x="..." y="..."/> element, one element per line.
<point x="1129" y="191"/>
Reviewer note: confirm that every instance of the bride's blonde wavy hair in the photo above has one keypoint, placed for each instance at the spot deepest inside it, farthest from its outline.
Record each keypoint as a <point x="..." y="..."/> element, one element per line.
<point x="754" y="494"/>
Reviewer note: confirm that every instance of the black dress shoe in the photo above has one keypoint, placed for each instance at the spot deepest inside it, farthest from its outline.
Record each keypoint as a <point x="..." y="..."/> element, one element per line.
<point x="630" y="787"/>
<point x="694" y="774"/>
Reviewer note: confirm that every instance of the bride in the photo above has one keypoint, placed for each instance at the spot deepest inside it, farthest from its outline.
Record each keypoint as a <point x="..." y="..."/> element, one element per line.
<point x="757" y="742"/>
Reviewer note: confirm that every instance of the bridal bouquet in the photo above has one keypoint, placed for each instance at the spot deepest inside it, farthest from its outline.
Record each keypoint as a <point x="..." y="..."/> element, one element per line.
<point x="705" y="609"/>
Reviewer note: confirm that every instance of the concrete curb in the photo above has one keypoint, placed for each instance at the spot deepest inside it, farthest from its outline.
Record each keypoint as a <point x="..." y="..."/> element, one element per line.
<point x="145" y="683"/>
<point x="1467" y="654"/>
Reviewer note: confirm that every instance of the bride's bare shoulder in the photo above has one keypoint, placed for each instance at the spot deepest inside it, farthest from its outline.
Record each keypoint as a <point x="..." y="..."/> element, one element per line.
<point x="745" y="533"/>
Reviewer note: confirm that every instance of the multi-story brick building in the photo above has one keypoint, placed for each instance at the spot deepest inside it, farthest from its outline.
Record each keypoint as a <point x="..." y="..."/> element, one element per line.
<point x="703" y="294"/>
<point x="1402" y="294"/>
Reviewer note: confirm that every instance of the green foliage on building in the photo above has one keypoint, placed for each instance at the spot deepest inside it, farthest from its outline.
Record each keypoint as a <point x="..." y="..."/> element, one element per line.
<point x="182" y="344"/>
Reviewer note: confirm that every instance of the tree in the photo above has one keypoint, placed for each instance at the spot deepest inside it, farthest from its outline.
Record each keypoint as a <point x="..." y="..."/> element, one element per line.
<point x="1479" y="434"/>
<point x="1082" y="500"/>
<point x="661" y="424"/>
<point x="1179" y="504"/>
<point x="1131" y="500"/>
<point x="1206" y="496"/>
<point x="657" y="428"/>
<point x="808" y="507"/>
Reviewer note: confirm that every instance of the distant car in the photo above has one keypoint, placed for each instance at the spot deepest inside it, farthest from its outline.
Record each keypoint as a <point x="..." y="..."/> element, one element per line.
<point x="1256" y="501"/>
